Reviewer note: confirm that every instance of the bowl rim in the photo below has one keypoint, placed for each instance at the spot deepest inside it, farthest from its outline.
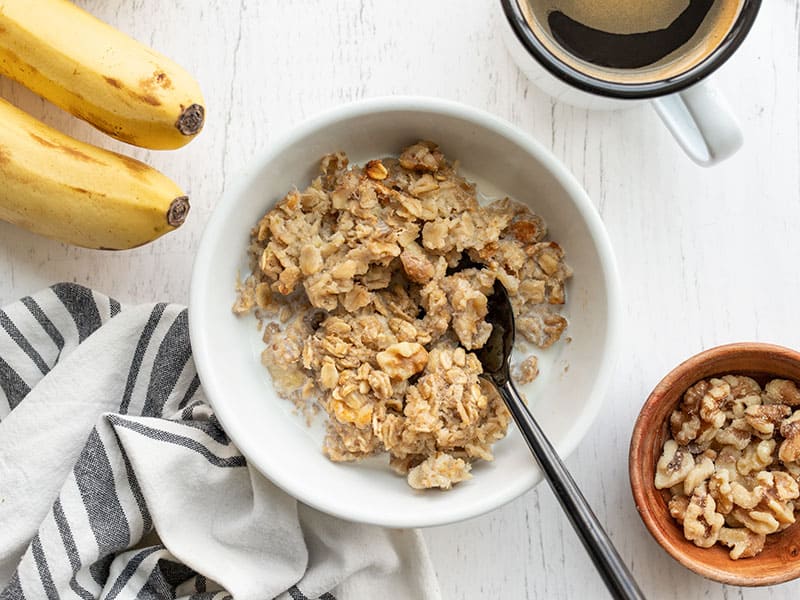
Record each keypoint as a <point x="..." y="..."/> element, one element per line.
<point x="214" y="385"/>
<point x="638" y="484"/>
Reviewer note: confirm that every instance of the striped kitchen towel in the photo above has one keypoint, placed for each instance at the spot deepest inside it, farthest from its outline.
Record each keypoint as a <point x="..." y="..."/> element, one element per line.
<point x="116" y="480"/>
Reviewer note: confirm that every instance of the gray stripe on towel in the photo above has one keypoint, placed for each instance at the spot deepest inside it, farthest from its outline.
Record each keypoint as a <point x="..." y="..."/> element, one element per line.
<point x="129" y="570"/>
<point x="71" y="548"/>
<point x="138" y="355"/>
<point x="178" y="440"/>
<point x="95" y="480"/>
<point x="44" y="570"/>
<point x="100" y="568"/>
<point x="211" y="428"/>
<point x="66" y="535"/>
<point x="24" y="345"/>
<point x="156" y="587"/>
<point x="44" y="321"/>
<point x="13" y="590"/>
<point x="136" y="490"/>
<point x="173" y="354"/>
<point x="190" y="391"/>
<point x="80" y="303"/>
<point x="296" y="594"/>
<point x="12" y="384"/>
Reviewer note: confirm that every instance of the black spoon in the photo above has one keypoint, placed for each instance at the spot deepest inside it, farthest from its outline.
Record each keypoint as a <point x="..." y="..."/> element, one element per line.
<point x="494" y="357"/>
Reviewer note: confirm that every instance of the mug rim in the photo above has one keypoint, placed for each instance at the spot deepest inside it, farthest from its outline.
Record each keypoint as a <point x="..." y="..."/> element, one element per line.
<point x="630" y="91"/>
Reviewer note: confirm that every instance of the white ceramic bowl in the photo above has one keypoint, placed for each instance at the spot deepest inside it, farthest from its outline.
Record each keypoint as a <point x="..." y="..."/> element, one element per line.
<point x="565" y="398"/>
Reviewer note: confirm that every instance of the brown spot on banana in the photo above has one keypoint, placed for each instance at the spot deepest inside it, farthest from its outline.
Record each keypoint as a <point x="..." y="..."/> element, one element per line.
<point x="43" y="141"/>
<point x="73" y="152"/>
<point x="133" y="164"/>
<point x="159" y="79"/>
<point x="163" y="80"/>
<point x="146" y="98"/>
<point x="115" y="131"/>
<point x="4" y="156"/>
<point x="191" y="120"/>
<point x="79" y="155"/>
<point x="113" y="82"/>
<point x="80" y="190"/>
<point x="178" y="211"/>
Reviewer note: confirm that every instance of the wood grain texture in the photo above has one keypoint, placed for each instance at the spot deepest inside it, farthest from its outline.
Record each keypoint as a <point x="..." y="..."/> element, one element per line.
<point x="705" y="256"/>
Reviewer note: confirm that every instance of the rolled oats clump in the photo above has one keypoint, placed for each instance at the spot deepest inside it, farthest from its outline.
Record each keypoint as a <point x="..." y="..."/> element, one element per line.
<point x="731" y="465"/>
<point x="372" y="316"/>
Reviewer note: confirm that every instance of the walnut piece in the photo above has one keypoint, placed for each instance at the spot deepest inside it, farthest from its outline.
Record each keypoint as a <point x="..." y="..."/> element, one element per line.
<point x="741" y="386"/>
<point x="790" y="447"/>
<point x="746" y="498"/>
<point x="674" y="465"/>
<point x="416" y="264"/>
<point x="701" y="415"/>
<point x="527" y="370"/>
<point x="737" y="435"/>
<point x="719" y="486"/>
<point x="402" y="360"/>
<point x="677" y="507"/>
<point x="439" y="471"/>
<point x="742" y="542"/>
<point x="764" y="418"/>
<point x="702" y="470"/>
<point x="756" y="457"/>
<point x="701" y="522"/>
<point x="757" y="521"/>
<point x="785" y="486"/>
<point x="422" y="156"/>
<point x="376" y="170"/>
<point x="782" y="391"/>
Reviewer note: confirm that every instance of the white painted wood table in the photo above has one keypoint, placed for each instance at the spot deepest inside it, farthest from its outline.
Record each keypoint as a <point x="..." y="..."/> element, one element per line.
<point x="706" y="256"/>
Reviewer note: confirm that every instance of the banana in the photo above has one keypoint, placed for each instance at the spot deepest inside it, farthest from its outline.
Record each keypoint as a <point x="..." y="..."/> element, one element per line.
<point x="99" y="74"/>
<point x="59" y="187"/>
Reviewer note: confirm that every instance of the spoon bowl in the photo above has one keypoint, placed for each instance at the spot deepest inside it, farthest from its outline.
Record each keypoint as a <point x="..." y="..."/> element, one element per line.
<point x="496" y="352"/>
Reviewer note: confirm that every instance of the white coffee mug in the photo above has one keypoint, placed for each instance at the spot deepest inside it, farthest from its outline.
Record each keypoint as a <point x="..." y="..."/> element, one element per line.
<point x="694" y="111"/>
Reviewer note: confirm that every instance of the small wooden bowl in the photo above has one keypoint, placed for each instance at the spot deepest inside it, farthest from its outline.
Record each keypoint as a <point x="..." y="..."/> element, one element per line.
<point x="780" y="559"/>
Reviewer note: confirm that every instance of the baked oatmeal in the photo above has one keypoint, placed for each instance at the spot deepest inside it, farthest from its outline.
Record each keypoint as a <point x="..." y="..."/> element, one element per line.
<point x="371" y="315"/>
<point x="732" y="463"/>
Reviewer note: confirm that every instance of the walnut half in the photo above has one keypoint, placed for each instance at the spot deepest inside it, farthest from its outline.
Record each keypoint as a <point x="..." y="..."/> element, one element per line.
<point x="702" y="523"/>
<point x="742" y="542"/>
<point x="673" y="466"/>
<point x="402" y="360"/>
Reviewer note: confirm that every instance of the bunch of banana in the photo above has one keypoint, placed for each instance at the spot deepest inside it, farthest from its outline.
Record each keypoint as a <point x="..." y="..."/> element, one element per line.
<point x="57" y="186"/>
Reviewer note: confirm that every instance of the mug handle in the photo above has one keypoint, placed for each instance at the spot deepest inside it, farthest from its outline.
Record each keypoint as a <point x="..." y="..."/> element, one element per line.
<point x="702" y="122"/>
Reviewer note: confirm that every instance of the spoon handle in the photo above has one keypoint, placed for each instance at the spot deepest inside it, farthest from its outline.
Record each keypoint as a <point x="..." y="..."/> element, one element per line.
<point x="597" y="543"/>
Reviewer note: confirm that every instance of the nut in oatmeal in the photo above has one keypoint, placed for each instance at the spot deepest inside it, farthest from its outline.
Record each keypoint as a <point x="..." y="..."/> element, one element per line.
<point x="402" y="360"/>
<point x="376" y="170"/>
<point x="376" y="321"/>
<point x="527" y="370"/>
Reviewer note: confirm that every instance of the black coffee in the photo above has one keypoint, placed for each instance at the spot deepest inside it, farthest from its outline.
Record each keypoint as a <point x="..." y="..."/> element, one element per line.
<point x="635" y="34"/>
